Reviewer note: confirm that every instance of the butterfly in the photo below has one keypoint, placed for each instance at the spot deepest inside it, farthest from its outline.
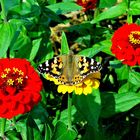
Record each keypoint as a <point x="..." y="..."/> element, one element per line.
<point x="70" y="69"/>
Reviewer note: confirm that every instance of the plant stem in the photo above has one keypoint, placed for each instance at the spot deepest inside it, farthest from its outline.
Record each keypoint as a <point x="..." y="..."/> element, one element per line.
<point x="69" y="111"/>
<point x="2" y="128"/>
<point x="14" y="121"/>
<point x="129" y="16"/>
<point x="3" y="10"/>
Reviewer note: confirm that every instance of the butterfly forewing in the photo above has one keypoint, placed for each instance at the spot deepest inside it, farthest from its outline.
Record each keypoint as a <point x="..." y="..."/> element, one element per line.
<point x="88" y="65"/>
<point x="52" y="67"/>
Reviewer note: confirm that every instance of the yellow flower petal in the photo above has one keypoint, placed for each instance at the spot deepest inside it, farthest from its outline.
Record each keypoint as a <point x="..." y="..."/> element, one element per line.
<point x="87" y="90"/>
<point x="96" y="84"/>
<point x="70" y="89"/>
<point x="88" y="82"/>
<point x="61" y="89"/>
<point x="78" y="90"/>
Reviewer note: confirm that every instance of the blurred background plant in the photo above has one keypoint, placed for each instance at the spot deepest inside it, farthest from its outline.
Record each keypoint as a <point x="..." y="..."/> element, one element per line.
<point x="32" y="29"/>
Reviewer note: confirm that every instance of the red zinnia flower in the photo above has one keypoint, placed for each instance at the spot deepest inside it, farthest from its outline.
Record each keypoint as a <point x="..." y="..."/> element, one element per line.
<point x="126" y="44"/>
<point x="19" y="87"/>
<point x="87" y="4"/>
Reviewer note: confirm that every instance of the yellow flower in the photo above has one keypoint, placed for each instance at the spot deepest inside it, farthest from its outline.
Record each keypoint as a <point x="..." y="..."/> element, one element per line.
<point x="85" y="87"/>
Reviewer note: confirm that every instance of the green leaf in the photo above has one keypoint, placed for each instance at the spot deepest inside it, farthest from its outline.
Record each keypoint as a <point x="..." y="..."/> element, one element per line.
<point x="81" y="28"/>
<point x="12" y="135"/>
<point x="113" y="103"/>
<point x="50" y="16"/>
<point x="103" y="46"/>
<point x="122" y="72"/>
<point x="64" y="115"/>
<point x="25" y="48"/>
<point x="22" y="129"/>
<point x="39" y="113"/>
<point x="48" y="132"/>
<point x="127" y="87"/>
<point x="35" y="48"/>
<point x="134" y="8"/>
<point x="115" y="64"/>
<point x="64" y="7"/>
<point x="19" y="36"/>
<point x="33" y="131"/>
<point x="51" y="1"/>
<point x="124" y="88"/>
<point x="26" y="8"/>
<point x="89" y="107"/>
<point x="112" y="12"/>
<point x="107" y="3"/>
<point x="134" y="78"/>
<point x="107" y="47"/>
<point x="20" y="45"/>
<point x="7" y="32"/>
<point x="64" y="44"/>
<point x="63" y="133"/>
<point x="126" y="101"/>
<point x="8" y="4"/>
<point x="45" y="52"/>
<point x="92" y="133"/>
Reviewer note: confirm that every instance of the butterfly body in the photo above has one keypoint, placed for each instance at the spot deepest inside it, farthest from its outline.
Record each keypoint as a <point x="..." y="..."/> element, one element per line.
<point x="70" y="69"/>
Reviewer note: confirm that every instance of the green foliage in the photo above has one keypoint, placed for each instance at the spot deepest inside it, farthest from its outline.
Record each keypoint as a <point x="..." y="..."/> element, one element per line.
<point x="38" y="31"/>
<point x="62" y="132"/>
<point x="64" y="44"/>
<point x="106" y="3"/>
<point x="118" y="103"/>
<point x="112" y="12"/>
<point x="64" y="7"/>
<point x="89" y="107"/>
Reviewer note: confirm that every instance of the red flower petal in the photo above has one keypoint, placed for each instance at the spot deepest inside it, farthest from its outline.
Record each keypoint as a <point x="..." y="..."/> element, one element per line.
<point x="123" y="46"/>
<point x="87" y="4"/>
<point x="20" y="87"/>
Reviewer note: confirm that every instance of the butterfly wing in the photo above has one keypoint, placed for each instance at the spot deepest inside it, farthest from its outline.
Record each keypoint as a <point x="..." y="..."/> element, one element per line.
<point x="83" y="66"/>
<point x="52" y="67"/>
<point x="57" y="67"/>
<point x="87" y="66"/>
<point x="70" y="69"/>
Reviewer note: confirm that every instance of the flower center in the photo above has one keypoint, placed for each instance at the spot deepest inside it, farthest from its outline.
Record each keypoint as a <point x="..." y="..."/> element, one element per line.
<point x="12" y="80"/>
<point x="134" y="38"/>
